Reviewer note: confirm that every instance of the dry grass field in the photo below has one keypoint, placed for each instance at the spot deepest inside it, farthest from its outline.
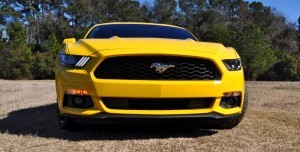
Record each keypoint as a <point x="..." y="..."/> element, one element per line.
<point x="28" y="123"/>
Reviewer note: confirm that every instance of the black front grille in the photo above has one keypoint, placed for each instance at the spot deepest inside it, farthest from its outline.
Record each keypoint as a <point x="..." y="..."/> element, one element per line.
<point x="141" y="68"/>
<point x="157" y="103"/>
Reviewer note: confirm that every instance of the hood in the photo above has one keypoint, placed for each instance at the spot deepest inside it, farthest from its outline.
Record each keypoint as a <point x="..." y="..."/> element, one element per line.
<point x="90" y="46"/>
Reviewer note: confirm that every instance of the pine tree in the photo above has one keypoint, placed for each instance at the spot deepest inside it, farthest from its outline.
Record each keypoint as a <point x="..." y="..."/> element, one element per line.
<point x="257" y="57"/>
<point x="164" y="11"/>
<point x="44" y="65"/>
<point x="16" y="56"/>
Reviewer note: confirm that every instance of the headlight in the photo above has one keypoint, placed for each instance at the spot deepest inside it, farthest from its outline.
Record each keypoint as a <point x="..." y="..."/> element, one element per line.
<point x="233" y="64"/>
<point x="73" y="61"/>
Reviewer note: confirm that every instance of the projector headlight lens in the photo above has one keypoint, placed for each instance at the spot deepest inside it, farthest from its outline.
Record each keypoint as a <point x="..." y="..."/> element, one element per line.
<point x="233" y="64"/>
<point x="73" y="61"/>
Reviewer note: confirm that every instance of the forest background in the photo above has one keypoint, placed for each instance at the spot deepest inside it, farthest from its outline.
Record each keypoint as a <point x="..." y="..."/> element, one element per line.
<point x="32" y="31"/>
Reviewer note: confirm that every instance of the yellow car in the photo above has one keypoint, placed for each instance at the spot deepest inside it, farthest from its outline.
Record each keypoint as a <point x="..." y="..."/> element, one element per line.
<point x="148" y="71"/>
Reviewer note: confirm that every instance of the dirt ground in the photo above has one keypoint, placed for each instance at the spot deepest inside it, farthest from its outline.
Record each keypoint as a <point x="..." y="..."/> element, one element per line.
<point x="28" y="123"/>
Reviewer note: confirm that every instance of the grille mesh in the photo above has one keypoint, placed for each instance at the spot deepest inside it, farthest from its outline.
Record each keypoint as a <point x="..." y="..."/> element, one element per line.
<point x="138" y="68"/>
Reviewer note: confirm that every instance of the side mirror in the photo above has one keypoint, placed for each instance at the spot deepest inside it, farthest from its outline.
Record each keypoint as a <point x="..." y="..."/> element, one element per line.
<point x="69" y="40"/>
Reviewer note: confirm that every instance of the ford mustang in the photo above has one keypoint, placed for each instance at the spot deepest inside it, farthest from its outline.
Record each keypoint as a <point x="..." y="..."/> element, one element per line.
<point x="148" y="71"/>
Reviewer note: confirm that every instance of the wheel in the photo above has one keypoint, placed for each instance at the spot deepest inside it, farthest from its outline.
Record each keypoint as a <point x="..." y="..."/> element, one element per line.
<point x="232" y="122"/>
<point x="65" y="122"/>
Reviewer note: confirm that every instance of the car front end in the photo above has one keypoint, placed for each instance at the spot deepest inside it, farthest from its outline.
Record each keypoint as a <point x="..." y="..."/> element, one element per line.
<point x="148" y="78"/>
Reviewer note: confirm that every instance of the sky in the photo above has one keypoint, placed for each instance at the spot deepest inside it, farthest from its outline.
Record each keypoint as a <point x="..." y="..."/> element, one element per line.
<point x="289" y="8"/>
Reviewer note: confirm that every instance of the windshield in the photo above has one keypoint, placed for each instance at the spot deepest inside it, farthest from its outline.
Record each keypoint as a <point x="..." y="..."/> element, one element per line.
<point x="139" y="31"/>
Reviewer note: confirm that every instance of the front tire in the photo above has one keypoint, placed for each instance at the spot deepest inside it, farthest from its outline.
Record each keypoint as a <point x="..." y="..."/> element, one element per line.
<point x="232" y="122"/>
<point x="65" y="122"/>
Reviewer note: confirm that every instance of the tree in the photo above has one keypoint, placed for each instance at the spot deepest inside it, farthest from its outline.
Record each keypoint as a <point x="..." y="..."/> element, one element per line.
<point x="16" y="58"/>
<point x="285" y="69"/>
<point x="113" y="11"/>
<point x="77" y="11"/>
<point x="7" y="13"/>
<point x="253" y="48"/>
<point x="146" y="12"/>
<point x="164" y="10"/>
<point x="44" y="64"/>
<point x="192" y="11"/>
<point x="259" y="33"/>
<point x="298" y="36"/>
<point x="287" y="65"/>
<point x="286" y="40"/>
<point x="218" y="33"/>
<point x="2" y="46"/>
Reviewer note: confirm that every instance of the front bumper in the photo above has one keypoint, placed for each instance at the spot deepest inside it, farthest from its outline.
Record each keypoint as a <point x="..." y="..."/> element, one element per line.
<point x="149" y="117"/>
<point x="150" y="89"/>
<point x="203" y="119"/>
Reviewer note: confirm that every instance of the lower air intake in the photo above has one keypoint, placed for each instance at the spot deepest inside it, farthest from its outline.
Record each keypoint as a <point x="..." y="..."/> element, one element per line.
<point x="157" y="104"/>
